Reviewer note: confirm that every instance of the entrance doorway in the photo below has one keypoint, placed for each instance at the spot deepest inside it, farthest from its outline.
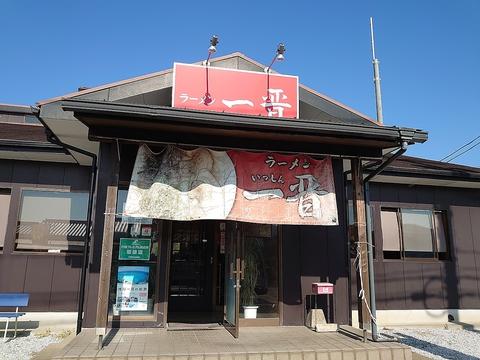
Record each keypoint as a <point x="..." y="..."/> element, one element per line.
<point x="219" y="267"/>
<point x="194" y="269"/>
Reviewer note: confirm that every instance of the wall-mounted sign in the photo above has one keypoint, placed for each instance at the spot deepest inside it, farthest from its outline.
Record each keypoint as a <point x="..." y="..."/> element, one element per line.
<point x="265" y="188"/>
<point x="234" y="91"/>
<point x="134" y="249"/>
<point x="146" y="230"/>
<point x="132" y="288"/>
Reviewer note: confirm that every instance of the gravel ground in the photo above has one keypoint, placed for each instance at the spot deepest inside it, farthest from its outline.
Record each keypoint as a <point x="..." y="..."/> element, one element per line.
<point x="23" y="346"/>
<point x="440" y="343"/>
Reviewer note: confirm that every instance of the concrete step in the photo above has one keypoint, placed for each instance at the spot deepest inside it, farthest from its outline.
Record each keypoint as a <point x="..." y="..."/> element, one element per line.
<point x="273" y="343"/>
<point x="390" y="353"/>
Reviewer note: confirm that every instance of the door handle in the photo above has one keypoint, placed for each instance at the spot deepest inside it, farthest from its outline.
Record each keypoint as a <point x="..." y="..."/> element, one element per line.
<point x="237" y="283"/>
<point x="219" y="282"/>
<point x="242" y="271"/>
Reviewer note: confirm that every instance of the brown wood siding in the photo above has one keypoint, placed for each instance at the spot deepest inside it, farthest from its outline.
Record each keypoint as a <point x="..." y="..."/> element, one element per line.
<point x="428" y="284"/>
<point x="26" y="132"/>
<point x="291" y="272"/>
<point x="106" y="172"/>
<point x="105" y="175"/>
<point x="52" y="280"/>
<point x="312" y="254"/>
<point x="475" y="222"/>
<point x="163" y="271"/>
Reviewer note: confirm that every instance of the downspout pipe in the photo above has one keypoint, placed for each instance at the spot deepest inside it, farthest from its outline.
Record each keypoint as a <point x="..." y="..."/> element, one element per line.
<point x="387" y="162"/>
<point x="371" y="275"/>
<point x="51" y="137"/>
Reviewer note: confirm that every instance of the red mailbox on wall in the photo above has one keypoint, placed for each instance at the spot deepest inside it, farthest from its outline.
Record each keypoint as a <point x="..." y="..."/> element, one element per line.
<point x="322" y="288"/>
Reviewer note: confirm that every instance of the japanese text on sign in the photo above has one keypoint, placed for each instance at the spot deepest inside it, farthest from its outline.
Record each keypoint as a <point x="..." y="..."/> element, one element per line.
<point x="235" y="185"/>
<point x="200" y="88"/>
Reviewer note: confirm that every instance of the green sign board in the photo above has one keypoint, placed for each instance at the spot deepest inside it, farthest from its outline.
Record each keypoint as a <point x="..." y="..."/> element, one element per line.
<point x="134" y="249"/>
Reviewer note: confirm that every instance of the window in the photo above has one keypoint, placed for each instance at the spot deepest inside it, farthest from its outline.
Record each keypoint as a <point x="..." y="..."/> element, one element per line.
<point x="52" y="221"/>
<point x="391" y="233"/>
<point x="259" y="285"/>
<point x="4" y="206"/>
<point x="414" y="233"/>
<point x="130" y="266"/>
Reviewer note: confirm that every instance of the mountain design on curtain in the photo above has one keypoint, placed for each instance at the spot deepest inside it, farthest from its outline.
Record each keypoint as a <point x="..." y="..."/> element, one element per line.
<point x="269" y="188"/>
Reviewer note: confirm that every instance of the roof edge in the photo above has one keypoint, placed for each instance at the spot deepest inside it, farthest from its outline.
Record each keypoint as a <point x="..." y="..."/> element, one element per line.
<point x="340" y="104"/>
<point x="426" y="168"/>
<point x="314" y="92"/>
<point x="129" y="80"/>
<point x="97" y="107"/>
<point x="14" y="108"/>
<point x="101" y="87"/>
<point x="409" y="158"/>
<point x="220" y="58"/>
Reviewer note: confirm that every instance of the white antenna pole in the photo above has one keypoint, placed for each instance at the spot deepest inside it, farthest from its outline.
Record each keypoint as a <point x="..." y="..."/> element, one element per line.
<point x="376" y="78"/>
<point x="372" y="38"/>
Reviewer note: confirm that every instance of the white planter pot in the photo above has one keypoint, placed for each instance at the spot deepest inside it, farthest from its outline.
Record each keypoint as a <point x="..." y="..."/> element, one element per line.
<point x="250" y="312"/>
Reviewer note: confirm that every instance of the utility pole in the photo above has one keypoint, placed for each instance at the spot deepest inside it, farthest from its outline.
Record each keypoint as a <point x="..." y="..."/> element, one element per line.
<point x="376" y="78"/>
<point x="370" y="248"/>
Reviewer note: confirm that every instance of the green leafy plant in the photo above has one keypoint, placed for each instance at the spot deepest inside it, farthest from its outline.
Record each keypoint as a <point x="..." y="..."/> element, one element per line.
<point x="251" y="272"/>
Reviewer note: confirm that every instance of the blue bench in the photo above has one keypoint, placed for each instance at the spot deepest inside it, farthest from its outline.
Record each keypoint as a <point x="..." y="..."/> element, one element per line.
<point x="12" y="300"/>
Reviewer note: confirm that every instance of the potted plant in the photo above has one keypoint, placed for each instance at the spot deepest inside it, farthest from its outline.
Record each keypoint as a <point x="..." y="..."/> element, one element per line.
<point x="249" y="282"/>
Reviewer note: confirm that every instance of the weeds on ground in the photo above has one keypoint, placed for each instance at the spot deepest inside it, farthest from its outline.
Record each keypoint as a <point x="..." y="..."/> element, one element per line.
<point x="43" y="333"/>
<point x="64" y="334"/>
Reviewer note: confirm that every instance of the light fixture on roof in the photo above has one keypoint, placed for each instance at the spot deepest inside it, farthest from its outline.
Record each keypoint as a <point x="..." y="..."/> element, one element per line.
<point x="280" y="51"/>
<point x="213" y="44"/>
<point x="279" y="56"/>
<point x="207" y="98"/>
<point x="212" y="49"/>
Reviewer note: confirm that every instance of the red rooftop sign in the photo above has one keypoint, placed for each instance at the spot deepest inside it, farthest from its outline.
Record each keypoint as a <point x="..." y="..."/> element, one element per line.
<point x="234" y="91"/>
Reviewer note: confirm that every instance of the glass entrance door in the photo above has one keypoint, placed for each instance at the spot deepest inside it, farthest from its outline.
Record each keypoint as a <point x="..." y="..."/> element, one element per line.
<point x="260" y="275"/>
<point x="190" y="293"/>
<point x="232" y="277"/>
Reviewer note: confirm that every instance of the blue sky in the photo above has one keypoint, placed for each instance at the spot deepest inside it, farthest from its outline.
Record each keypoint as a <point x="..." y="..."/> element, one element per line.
<point x="429" y="52"/>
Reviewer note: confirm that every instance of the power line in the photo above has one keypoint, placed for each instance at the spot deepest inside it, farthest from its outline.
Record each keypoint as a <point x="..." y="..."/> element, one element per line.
<point x="470" y="148"/>
<point x="460" y="148"/>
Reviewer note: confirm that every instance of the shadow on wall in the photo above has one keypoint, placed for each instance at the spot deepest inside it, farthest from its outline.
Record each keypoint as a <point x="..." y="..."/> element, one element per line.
<point x="424" y="284"/>
<point x="314" y="254"/>
<point x="442" y="289"/>
<point x="23" y="326"/>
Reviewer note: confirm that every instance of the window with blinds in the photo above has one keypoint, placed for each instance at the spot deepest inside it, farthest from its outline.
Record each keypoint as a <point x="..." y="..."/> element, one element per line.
<point x="414" y="233"/>
<point x="4" y="210"/>
<point x="52" y="221"/>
